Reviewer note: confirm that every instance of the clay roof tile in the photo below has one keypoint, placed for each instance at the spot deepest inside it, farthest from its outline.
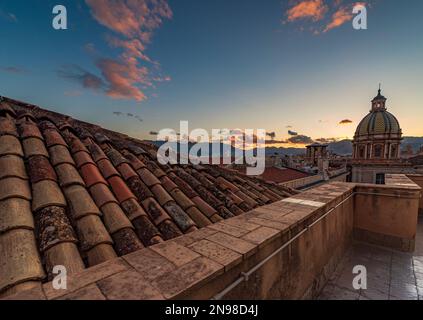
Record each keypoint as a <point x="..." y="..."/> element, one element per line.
<point x="15" y="214"/>
<point x="34" y="147"/>
<point x="39" y="169"/>
<point x="107" y="169"/>
<point x="10" y="145"/>
<point x="91" y="175"/>
<point x="14" y="188"/>
<point x="120" y="189"/>
<point x="60" y="155"/>
<point x="46" y="193"/>
<point x="12" y="166"/>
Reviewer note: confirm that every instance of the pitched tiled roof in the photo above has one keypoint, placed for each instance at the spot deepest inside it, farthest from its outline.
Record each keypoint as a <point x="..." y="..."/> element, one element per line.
<point x="280" y="175"/>
<point x="75" y="194"/>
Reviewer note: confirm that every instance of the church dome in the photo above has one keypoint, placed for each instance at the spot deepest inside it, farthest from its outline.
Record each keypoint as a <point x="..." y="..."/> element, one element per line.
<point x="379" y="121"/>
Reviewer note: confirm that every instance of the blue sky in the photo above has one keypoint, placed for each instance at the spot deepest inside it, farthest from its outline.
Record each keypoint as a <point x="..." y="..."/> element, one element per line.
<point x="217" y="63"/>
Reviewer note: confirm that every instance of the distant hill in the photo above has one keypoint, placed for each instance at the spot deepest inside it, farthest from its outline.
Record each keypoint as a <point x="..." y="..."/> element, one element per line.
<point x="342" y="148"/>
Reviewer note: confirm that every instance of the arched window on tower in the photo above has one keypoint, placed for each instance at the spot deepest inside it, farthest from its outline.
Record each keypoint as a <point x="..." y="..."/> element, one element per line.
<point x="378" y="151"/>
<point x="394" y="151"/>
<point x="361" y="152"/>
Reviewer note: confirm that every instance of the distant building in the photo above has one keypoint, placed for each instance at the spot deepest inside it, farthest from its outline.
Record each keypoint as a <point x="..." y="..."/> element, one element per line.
<point x="315" y="152"/>
<point x="377" y="145"/>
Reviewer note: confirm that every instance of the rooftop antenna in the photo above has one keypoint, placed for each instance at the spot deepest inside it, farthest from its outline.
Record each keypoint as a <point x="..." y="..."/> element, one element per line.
<point x="379" y="88"/>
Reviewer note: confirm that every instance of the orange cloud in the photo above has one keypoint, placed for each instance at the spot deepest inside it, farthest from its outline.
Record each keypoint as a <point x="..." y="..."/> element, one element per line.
<point x="346" y="121"/>
<point x="133" y="23"/>
<point x="311" y="9"/>
<point x="340" y="17"/>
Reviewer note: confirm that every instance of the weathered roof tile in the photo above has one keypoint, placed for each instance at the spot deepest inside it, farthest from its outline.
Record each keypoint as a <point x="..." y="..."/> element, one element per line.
<point x="46" y="193"/>
<point x="15" y="214"/>
<point x="102" y="195"/>
<point x="81" y="158"/>
<point x="12" y="166"/>
<point x="40" y="169"/>
<point x="91" y="175"/>
<point x="10" y="145"/>
<point x="80" y="202"/>
<point x="14" y="188"/>
<point x="60" y="155"/>
<point x="20" y="258"/>
<point x="107" y="169"/>
<point x="68" y="175"/>
<point x="34" y="147"/>
<point x="120" y="189"/>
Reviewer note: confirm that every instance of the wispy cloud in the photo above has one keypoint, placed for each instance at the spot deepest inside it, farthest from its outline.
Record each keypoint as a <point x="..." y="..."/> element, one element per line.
<point x="346" y="121"/>
<point x="13" y="69"/>
<point x="341" y="16"/>
<point x="321" y="15"/>
<point x="133" y="23"/>
<point x="83" y="77"/>
<point x="8" y="16"/>
<point x="308" y="9"/>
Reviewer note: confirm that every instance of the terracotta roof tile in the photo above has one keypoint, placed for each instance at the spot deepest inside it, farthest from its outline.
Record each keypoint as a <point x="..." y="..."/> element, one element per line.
<point x="8" y="127"/>
<point x="21" y="262"/>
<point x="169" y="230"/>
<point x="147" y="177"/>
<point x="161" y="195"/>
<point x="14" y="188"/>
<point x="155" y="211"/>
<point x="126" y="171"/>
<point x="80" y="202"/>
<point x="40" y="169"/>
<point x="100" y="253"/>
<point x="28" y="129"/>
<point x="134" y="161"/>
<point x="92" y="232"/>
<point x="168" y="184"/>
<point x="91" y="175"/>
<point x="34" y="147"/>
<point x="183" y="220"/>
<point x="208" y="210"/>
<point x="102" y="195"/>
<point x="146" y="231"/>
<point x="6" y="108"/>
<point x="114" y="218"/>
<point x="126" y="241"/>
<point x="115" y="157"/>
<point x="65" y="254"/>
<point x="60" y="155"/>
<point x="181" y="199"/>
<point x="96" y="152"/>
<point x="53" y="227"/>
<point x="46" y="193"/>
<point x="107" y="169"/>
<point x="198" y="217"/>
<point x="12" y="166"/>
<point x="15" y="214"/>
<point x="53" y="138"/>
<point x="81" y="158"/>
<point x="140" y="190"/>
<point x="133" y="209"/>
<point x="68" y="175"/>
<point x="10" y="145"/>
<point x="120" y="189"/>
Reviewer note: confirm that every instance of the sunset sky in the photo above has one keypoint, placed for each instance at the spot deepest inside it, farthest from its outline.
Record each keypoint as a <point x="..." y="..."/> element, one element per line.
<point x="137" y="66"/>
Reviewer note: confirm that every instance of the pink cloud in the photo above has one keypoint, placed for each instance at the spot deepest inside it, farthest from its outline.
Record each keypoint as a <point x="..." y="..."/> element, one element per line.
<point x="308" y="9"/>
<point x="133" y="23"/>
<point x="340" y="17"/>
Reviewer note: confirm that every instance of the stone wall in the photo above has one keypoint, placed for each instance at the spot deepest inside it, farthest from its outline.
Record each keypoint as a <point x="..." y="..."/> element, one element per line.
<point x="418" y="179"/>
<point x="387" y="214"/>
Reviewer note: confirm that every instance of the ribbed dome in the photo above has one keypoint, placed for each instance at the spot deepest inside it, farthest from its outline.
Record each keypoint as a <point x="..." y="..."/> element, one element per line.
<point x="378" y="122"/>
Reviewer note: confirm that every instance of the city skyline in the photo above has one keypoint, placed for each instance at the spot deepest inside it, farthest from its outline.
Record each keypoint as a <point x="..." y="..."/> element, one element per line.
<point x="295" y="68"/>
